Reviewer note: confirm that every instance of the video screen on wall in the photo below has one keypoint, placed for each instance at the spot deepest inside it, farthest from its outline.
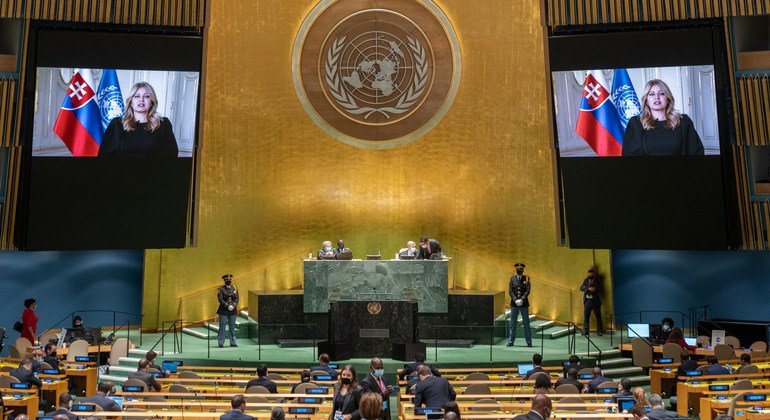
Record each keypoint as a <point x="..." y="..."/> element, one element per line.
<point x="640" y="133"/>
<point x="110" y="135"/>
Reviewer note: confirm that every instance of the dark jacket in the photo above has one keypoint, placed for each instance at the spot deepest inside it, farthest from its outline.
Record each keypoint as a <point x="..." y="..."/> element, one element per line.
<point x="529" y="416"/>
<point x="235" y="415"/>
<point x="147" y="378"/>
<point x="326" y="369"/>
<point x="53" y="361"/>
<point x="596" y="296"/>
<point x="26" y="377"/>
<point x="570" y="381"/>
<point x="64" y="411"/>
<point x="263" y="381"/>
<point x="350" y="403"/>
<point x="102" y="401"/>
<point x="369" y="384"/>
<point x="519" y="288"/>
<point x="433" y="392"/>
<point x="227" y="295"/>
<point x="717" y="369"/>
<point x="685" y="366"/>
<point x="433" y="248"/>
<point x="531" y="372"/>
<point x="595" y="382"/>
<point x="660" y="413"/>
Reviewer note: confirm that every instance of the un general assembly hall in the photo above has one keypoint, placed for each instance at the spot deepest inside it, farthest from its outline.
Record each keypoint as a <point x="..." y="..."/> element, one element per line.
<point x="384" y="209"/>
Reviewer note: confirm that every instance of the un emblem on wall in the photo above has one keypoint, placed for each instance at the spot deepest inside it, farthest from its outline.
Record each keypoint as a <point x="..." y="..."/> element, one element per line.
<point x="379" y="76"/>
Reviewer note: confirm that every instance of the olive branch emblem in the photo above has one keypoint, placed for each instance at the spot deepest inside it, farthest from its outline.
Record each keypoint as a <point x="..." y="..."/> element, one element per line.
<point x="348" y="102"/>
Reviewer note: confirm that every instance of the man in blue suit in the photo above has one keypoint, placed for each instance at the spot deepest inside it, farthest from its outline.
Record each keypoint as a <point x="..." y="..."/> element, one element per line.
<point x="715" y="368"/>
<point x="237" y="413"/>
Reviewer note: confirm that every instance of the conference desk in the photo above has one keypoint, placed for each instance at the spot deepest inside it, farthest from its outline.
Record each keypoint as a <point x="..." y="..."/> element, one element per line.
<point x="84" y="380"/>
<point x="662" y="380"/>
<point x="700" y="352"/>
<point x="688" y="392"/>
<point x="423" y="281"/>
<point x="711" y="405"/>
<point x="104" y="348"/>
<point x="28" y="404"/>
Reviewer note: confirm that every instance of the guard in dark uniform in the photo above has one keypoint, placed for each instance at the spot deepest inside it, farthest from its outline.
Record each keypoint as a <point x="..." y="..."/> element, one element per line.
<point x="227" y="295"/>
<point x="592" y="301"/>
<point x="518" y="290"/>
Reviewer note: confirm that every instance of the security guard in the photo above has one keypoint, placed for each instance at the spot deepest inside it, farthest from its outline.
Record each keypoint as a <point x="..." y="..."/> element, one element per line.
<point x="227" y="295"/>
<point x="518" y="289"/>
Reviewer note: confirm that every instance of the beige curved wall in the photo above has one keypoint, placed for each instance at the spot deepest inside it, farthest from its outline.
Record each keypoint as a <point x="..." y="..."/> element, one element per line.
<point x="273" y="185"/>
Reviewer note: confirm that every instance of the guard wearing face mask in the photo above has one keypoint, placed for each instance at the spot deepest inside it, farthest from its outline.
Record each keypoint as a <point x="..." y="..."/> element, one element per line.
<point x="375" y="382"/>
<point x="592" y="301"/>
<point x="518" y="289"/>
<point x="227" y="295"/>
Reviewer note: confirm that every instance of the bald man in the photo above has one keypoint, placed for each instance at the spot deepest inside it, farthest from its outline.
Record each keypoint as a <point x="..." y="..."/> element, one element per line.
<point x="541" y="409"/>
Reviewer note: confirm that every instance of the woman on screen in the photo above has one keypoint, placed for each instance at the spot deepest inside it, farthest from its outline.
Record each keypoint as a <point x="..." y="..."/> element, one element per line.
<point x="141" y="131"/>
<point x="660" y="130"/>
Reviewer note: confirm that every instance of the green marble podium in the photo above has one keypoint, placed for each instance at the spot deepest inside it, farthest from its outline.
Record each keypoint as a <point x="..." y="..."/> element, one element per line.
<point x="421" y="281"/>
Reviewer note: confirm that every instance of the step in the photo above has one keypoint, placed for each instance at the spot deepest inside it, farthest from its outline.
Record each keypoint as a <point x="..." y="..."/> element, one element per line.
<point x="622" y="371"/>
<point x="532" y="317"/>
<point x="195" y="332"/>
<point x="130" y="360"/>
<point x="117" y="380"/>
<point x="128" y="370"/>
<point x="142" y="352"/>
<point x="605" y="353"/>
<point x="616" y="361"/>
<point x="640" y="380"/>
<point x="541" y="325"/>
<point x="559" y="332"/>
<point x="215" y="327"/>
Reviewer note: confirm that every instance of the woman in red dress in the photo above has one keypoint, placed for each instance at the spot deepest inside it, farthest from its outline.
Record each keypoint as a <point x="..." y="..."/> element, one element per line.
<point x="29" y="320"/>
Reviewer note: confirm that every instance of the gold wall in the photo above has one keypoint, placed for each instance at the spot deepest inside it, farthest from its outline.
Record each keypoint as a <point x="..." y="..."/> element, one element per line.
<point x="273" y="185"/>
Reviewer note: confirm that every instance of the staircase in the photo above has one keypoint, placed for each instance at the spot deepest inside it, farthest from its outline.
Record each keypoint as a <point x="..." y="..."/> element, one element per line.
<point x="617" y="367"/>
<point x="127" y="366"/>
<point x="210" y="330"/>
<point x="549" y="328"/>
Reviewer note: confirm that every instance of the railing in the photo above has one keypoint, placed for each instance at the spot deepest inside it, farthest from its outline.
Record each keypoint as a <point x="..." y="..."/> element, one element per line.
<point x="551" y="300"/>
<point x="280" y="275"/>
<point x="175" y="326"/>
<point x="115" y="314"/>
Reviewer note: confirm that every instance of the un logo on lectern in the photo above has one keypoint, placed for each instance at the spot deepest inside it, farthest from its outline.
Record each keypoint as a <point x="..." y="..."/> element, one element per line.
<point x="378" y="76"/>
<point x="374" y="308"/>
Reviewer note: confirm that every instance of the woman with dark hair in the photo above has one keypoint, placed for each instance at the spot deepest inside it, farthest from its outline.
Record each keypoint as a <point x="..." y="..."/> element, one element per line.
<point x="543" y="384"/>
<point x="666" y="324"/>
<point x="660" y="130"/>
<point x="77" y="322"/>
<point x="347" y="395"/>
<point x="29" y="320"/>
<point x="141" y="131"/>
<point x="677" y="337"/>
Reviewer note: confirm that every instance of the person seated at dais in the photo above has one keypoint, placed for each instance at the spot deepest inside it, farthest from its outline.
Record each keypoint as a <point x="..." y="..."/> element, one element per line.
<point x="326" y="252"/>
<point x="408" y="253"/>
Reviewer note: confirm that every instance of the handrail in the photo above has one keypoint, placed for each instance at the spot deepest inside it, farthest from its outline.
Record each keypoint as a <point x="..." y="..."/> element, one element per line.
<point x="508" y="270"/>
<point x="72" y="314"/>
<point x="165" y="332"/>
<point x="208" y="289"/>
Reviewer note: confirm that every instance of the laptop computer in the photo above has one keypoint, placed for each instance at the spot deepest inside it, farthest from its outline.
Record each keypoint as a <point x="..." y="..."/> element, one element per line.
<point x="525" y="367"/>
<point x="118" y="400"/>
<point x="346" y="255"/>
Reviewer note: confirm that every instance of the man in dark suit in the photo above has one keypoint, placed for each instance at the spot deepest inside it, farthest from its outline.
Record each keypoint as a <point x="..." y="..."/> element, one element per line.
<point x="715" y="368"/>
<point x="597" y="380"/>
<point x="341" y="249"/>
<point x="50" y="356"/>
<point x="537" y="361"/>
<point x="100" y="398"/>
<point x="657" y="410"/>
<point x="375" y="382"/>
<point x="419" y="359"/>
<point x="432" y="391"/>
<point x="143" y="375"/>
<point x="65" y="402"/>
<point x="686" y="364"/>
<point x="573" y="363"/>
<point x="745" y="361"/>
<point x="624" y="390"/>
<point x="323" y="365"/>
<point x="262" y="380"/>
<point x="541" y="409"/>
<point x="429" y="247"/>
<point x="237" y="413"/>
<point x="25" y="374"/>
<point x="518" y="289"/>
<point x="592" y="301"/>
<point x="572" y="379"/>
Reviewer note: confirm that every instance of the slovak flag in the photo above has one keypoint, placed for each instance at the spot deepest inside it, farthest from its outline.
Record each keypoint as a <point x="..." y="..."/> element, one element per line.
<point x="79" y="124"/>
<point x="598" y="121"/>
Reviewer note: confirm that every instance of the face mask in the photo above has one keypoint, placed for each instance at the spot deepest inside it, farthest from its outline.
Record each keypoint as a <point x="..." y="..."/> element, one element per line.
<point x="423" y="246"/>
<point x="345" y="381"/>
<point x="666" y="327"/>
<point x="379" y="373"/>
<point x="328" y="248"/>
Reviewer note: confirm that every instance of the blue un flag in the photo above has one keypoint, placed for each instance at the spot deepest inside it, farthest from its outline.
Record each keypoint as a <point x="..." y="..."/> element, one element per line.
<point x="109" y="97"/>
<point x="624" y="96"/>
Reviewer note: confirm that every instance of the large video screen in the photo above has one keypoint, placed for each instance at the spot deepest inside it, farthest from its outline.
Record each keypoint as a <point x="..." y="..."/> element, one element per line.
<point x="641" y="134"/>
<point x="110" y="133"/>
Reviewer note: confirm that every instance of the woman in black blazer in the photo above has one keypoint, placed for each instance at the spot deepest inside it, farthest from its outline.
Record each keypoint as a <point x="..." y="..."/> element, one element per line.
<point x="347" y="395"/>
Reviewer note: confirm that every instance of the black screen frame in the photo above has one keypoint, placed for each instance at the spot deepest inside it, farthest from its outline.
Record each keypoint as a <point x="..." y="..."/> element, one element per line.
<point x="564" y="47"/>
<point x="167" y="209"/>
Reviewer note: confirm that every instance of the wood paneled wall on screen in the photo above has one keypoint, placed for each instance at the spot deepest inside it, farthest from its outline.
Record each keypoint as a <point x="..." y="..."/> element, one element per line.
<point x="593" y="12"/>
